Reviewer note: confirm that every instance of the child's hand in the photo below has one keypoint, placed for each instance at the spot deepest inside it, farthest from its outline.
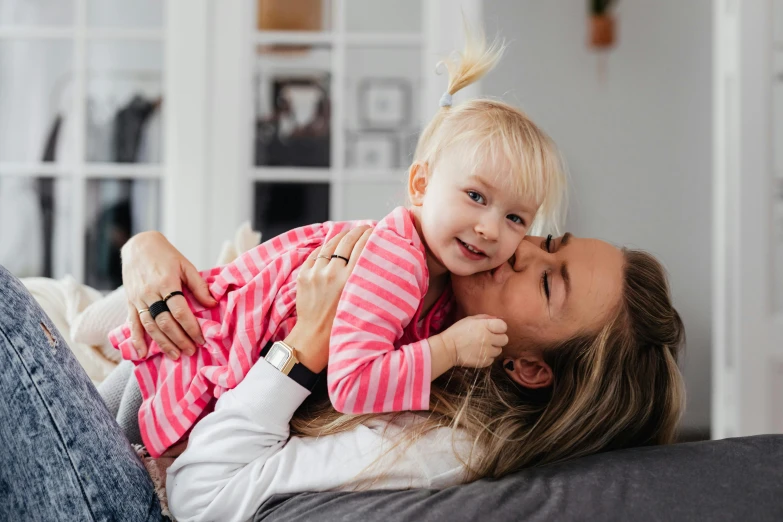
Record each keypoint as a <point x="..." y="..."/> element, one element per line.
<point x="475" y="341"/>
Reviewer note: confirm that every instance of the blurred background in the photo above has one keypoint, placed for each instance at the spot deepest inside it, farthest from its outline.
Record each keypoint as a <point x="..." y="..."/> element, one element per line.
<point x="192" y="116"/>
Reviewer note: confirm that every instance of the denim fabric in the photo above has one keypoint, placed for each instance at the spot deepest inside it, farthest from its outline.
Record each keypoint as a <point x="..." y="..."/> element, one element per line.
<point x="63" y="455"/>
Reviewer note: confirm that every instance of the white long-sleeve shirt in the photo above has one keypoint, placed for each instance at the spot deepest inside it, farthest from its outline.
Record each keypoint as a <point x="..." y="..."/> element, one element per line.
<point x="241" y="454"/>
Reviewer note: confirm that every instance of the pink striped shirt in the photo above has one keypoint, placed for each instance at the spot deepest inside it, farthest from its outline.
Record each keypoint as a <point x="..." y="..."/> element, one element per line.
<point x="379" y="311"/>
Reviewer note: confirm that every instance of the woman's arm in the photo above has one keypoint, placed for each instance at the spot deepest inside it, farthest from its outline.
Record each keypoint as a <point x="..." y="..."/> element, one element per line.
<point x="151" y="269"/>
<point x="241" y="453"/>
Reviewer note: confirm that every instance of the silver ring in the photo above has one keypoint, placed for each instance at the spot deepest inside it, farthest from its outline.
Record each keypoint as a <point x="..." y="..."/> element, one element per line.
<point x="321" y="256"/>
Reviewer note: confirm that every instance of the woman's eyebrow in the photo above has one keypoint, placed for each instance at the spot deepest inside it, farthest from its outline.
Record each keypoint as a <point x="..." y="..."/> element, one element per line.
<point x="566" y="279"/>
<point x="564" y="267"/>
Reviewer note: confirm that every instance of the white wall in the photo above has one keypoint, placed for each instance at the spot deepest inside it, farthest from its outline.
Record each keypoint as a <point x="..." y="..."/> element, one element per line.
<point x="637" y="139"/>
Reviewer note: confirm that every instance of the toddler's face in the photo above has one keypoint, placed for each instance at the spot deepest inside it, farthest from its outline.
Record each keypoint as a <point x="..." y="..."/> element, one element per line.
<point x="472" y="220"/>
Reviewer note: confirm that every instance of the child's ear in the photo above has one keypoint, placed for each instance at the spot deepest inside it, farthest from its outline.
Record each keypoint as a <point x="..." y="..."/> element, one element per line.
<point x="417" y="183"/>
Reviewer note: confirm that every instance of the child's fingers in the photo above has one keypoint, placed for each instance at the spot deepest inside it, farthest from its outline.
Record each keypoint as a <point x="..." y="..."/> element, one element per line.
<point x="482" y="316"/>
<point x="488" y="357"/>
<point x="496" y="326"/>
<point x="499" y="340"/>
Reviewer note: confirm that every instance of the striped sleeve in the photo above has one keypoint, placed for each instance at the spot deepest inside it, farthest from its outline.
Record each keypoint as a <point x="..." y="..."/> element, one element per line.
<point x="366" y="373"/>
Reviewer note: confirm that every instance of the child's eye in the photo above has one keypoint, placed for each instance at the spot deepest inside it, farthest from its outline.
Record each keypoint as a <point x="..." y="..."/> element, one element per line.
<point x="516" y="219"/>
<point x="475" y="196"/>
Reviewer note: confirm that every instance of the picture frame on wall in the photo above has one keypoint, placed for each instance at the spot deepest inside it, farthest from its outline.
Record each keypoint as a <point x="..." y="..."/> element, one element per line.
<point x="374" y="150"/>
<point x="384" y="103"/>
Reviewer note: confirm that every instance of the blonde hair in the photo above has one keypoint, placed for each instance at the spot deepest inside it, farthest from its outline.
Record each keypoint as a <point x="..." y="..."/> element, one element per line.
<point x="483" y="129"/>
<point x="615" y="388"/>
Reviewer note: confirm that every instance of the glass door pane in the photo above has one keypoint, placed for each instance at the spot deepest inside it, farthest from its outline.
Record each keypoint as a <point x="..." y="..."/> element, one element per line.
<point x="116" y="210"/>
<point x="36" y="100"/>
<point x="292" y="101"/>
<point x="35" y="237"/>
<point x="381" y="107"/>
<point x="36" y="13"/>
<point x="383" y="16"/>
<point x="136" y="14"/>
<point x="280" y="207"/>
<point x="124" y="102"/>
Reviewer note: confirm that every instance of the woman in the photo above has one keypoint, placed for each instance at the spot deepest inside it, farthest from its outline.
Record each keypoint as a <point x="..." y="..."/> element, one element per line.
<point x="590" y="366"/>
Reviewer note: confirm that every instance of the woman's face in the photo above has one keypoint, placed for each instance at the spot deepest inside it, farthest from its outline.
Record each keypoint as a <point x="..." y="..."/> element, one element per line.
<point x="582" y="277"/>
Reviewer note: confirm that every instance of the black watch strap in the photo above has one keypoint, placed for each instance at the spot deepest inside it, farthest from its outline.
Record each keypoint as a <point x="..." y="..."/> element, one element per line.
<point x="300" y="373"/>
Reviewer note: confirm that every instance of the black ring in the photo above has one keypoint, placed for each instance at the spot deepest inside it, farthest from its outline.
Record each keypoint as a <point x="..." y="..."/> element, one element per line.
<point x="158" y="307"/>
<point x="172" y="294"/>
<point x="340" y="257"/>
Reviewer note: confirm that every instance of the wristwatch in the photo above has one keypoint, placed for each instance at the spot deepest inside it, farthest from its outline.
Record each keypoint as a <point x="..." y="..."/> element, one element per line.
<point x="283" y="357"/>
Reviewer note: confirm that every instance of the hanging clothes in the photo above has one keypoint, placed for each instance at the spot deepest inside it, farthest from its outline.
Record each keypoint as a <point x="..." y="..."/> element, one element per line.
<point x="128" y="128"/>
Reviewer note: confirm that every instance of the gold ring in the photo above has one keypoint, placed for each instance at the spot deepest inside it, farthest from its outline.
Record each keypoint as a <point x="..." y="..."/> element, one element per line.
<point x="321" y="256"/>
<point x="143" y="310"/>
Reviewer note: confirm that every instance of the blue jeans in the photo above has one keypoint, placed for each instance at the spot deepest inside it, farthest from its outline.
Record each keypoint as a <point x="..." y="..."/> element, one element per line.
<point x="64" y="457"/>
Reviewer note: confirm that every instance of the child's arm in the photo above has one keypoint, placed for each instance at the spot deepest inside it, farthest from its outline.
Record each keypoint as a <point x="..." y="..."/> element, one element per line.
<point x="474" y="342"/>
<point x="365" y="373"/>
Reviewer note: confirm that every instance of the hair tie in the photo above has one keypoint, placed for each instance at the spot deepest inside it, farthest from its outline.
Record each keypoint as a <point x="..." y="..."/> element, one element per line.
<point x="445" y="100"/>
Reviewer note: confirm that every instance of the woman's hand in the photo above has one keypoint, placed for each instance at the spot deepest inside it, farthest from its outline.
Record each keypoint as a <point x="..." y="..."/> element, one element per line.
<point x="151" y="269"/>
<point x="318" y="288"/>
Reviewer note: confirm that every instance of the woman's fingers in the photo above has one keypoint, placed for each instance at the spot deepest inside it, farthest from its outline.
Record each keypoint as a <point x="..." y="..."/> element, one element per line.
<point x="358" y="247"/>
<point x="183" y="315"/>
<point x="171" y="328"/>
<point x="198" y="287"/>
<point x="346" y="244"/>
<point x="328" y="249"/>
<point x="151" y="326"/>
<point x="137" y="331"/>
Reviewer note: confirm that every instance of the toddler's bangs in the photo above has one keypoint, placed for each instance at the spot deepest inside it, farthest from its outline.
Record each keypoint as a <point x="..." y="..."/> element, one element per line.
<point x="521" y="162"/>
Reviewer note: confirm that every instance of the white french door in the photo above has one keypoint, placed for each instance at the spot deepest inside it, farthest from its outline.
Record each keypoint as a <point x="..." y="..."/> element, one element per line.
<point x="748" y="218"/>
<point x="81" y="140"/>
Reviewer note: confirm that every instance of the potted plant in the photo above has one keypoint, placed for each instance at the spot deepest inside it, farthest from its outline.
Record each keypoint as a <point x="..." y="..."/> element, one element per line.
<point x="602" y="23"/>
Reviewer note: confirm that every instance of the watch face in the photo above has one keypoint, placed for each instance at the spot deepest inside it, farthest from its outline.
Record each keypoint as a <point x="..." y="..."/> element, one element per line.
<point x="277" y="356"/>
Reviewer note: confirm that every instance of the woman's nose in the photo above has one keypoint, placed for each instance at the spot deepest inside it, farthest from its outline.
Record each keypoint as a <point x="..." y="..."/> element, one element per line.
<point x="528" y="252"/>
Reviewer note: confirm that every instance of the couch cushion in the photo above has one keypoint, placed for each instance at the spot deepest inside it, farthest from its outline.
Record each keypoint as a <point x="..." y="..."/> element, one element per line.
<point x="733" y="479"/>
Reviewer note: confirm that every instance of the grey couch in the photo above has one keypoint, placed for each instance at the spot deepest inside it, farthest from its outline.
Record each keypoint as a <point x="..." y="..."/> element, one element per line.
<point x="734" y="479"/>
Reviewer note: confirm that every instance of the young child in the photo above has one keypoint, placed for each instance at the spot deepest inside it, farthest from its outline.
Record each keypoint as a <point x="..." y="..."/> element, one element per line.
<point x="482" y="172"/>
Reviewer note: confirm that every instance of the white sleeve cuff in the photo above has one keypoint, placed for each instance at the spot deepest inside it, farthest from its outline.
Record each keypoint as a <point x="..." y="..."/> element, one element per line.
<point x="267" y="392"/>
